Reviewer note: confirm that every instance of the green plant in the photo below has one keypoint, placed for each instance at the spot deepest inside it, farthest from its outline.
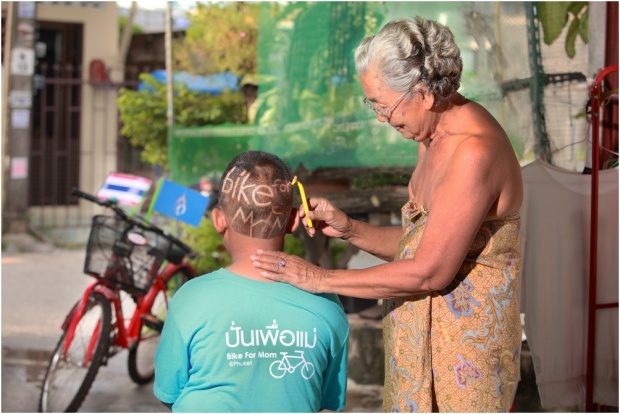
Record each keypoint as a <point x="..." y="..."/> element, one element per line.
<point x="222" y="36"/>
<point x="294" y="246"/>
<point x="554" y="15"/>
<point x="207" y="242"/>
<point x="145" y="124"/>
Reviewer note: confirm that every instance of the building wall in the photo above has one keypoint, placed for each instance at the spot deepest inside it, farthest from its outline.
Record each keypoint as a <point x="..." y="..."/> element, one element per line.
<point x="99" y="117"/>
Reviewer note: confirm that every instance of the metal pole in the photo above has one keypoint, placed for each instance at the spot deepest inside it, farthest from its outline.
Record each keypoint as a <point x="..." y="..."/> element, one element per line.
<point x="169" y="92"/>
<point x="537" y="85"/>
<point x="595" y="103"/>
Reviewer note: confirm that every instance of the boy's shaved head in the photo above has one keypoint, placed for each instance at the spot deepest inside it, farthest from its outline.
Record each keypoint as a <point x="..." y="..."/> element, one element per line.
<point x="255" y="195"/>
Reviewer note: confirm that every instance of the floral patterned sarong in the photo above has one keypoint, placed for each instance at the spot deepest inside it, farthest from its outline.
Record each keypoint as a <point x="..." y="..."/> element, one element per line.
<point x="457" y="349"/>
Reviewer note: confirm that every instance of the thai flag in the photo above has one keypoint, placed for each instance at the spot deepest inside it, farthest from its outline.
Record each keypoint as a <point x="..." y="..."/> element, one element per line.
<point x="124" y="188"/>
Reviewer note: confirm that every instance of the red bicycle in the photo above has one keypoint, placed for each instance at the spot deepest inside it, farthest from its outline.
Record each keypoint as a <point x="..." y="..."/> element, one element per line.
<point x="137" y="269"/>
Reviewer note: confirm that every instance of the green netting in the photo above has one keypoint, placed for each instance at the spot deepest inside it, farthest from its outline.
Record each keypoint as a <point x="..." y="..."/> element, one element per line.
<point x="197" y="152"/>
<point x="309" y="109"/>
<point x="354" y="141"/>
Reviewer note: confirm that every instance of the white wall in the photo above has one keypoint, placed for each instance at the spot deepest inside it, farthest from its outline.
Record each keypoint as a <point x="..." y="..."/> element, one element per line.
<point x="99" y="119"/>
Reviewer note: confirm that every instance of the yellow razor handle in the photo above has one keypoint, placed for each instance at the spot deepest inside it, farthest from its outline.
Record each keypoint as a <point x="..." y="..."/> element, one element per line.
<point x="303" y="199"/>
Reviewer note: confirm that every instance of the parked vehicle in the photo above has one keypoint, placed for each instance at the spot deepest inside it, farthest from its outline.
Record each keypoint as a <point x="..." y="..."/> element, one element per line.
<point x="137" y="268"/>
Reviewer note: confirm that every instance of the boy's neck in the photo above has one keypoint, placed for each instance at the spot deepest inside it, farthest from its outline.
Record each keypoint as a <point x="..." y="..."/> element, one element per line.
<point x="242" y="247"/>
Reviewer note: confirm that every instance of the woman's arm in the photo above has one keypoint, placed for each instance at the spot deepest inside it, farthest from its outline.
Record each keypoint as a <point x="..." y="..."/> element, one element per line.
<point x="378" y="241"/>
<point x="457" y="208"/>
<point x="381" y="242"/>
<point x="471" y="187"/>
<point x="378" y="282"/>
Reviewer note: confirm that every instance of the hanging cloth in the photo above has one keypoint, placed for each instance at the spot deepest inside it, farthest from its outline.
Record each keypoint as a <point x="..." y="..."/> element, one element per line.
<point x="554" y="282"/>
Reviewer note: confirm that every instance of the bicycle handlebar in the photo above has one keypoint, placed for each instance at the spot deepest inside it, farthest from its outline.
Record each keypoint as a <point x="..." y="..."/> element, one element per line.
<point x="113" y="205"/>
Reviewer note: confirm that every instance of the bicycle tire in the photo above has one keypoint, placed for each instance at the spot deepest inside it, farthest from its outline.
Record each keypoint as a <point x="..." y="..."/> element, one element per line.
<point x="278" y="369"/>
<point x="307" y="370"/>
<point x="141" y="359"/>
<point x="66" y="383"/>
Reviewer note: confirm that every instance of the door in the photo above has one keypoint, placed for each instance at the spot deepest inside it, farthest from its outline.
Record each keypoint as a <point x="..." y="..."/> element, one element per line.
<point x="57" y="107"/>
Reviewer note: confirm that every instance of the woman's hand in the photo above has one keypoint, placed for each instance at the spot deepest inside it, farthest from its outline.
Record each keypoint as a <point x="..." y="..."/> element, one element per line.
<point x="331" y="221"/>
<point x="282" y="267"/>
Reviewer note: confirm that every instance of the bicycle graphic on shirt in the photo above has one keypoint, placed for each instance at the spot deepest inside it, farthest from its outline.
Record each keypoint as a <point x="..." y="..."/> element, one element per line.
<point x="280" y="368"/>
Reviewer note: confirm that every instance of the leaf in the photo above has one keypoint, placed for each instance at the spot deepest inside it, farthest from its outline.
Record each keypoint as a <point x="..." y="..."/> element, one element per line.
<point x="575" y="7"/>
<point x="553" y="17"/>
<point x="583" y="26"/>
<point x="580" y="11"/>
<point x="571" y="37"/>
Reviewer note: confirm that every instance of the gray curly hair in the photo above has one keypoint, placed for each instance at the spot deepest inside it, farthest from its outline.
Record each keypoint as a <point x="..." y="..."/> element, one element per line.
<point x="407" y="52"/>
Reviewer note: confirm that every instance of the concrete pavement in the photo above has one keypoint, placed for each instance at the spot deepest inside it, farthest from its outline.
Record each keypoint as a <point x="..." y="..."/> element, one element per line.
<point x="38" y="289"/>
<point x="40" y="285"/>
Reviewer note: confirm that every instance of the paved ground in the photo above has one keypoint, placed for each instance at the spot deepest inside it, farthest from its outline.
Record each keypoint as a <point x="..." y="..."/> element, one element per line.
<point x="38" y="289"/>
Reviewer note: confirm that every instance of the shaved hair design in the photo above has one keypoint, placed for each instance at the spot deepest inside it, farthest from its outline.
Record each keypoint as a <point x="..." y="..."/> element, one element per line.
<point x="255" y="194"/>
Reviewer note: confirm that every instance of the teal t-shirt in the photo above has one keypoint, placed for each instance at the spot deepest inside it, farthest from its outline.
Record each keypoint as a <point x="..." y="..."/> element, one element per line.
<point x="232" y="344"/>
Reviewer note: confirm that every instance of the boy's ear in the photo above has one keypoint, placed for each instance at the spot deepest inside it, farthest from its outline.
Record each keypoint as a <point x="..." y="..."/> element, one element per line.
<point x="293" y="221"/>
<point x="219" y="220"/>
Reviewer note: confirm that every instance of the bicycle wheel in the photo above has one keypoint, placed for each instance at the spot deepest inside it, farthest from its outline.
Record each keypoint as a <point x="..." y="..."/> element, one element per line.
<point x="141" y="361"/>
<point x="277" y="369"/>
<point x="307" y="370"/>
<point x="69" y="377"/>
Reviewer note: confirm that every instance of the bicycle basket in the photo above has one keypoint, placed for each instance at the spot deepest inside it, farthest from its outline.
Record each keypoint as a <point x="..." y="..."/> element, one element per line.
<point x="112" y="257"/>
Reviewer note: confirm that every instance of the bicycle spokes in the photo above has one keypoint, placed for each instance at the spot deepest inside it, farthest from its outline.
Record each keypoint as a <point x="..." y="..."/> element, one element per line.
<point x="74" y="364"/>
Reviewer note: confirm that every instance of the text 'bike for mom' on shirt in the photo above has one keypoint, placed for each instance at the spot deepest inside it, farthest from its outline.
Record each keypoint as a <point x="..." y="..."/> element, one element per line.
<point x="271" y="336"/>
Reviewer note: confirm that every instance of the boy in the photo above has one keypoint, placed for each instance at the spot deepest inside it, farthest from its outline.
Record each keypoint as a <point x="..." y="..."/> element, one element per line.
<point x="234" y="341"/>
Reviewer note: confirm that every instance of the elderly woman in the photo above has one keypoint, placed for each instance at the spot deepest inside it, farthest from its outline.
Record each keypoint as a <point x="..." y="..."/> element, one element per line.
<point x="451" y="321"/>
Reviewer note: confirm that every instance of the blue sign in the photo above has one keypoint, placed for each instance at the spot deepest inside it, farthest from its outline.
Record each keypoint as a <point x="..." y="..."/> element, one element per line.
<point x="181" y="203"/>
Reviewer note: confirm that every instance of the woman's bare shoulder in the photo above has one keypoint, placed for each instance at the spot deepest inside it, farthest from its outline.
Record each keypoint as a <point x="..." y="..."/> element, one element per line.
<point x="479" y="120"/>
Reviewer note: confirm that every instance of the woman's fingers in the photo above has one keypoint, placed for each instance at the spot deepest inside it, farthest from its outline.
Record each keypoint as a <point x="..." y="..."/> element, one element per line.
<point x="272" y="276"/>
<point x="332" y="223"/>
<point x="281" y="267"/>
<point x="274" y="264"/>
<point x="269" y="260"/>
<point x="325" y="216"/>
<point x="304" y="220"/>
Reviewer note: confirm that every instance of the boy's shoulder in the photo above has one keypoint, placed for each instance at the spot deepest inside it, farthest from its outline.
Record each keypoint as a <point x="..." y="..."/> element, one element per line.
<point x="199" y="283"/>
<point x="220" y="284"/>
<point x="330" y="297"/>
<point x="209" y="277"/>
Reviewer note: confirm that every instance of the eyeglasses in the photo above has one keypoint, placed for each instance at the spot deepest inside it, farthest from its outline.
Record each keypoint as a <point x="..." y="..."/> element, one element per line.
<point x="385" y="115"/>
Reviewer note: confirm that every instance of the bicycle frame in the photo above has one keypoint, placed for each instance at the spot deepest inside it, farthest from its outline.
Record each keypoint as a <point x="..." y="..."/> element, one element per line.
<point x="126" y="335"/>
<point x="287" y="358"/>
